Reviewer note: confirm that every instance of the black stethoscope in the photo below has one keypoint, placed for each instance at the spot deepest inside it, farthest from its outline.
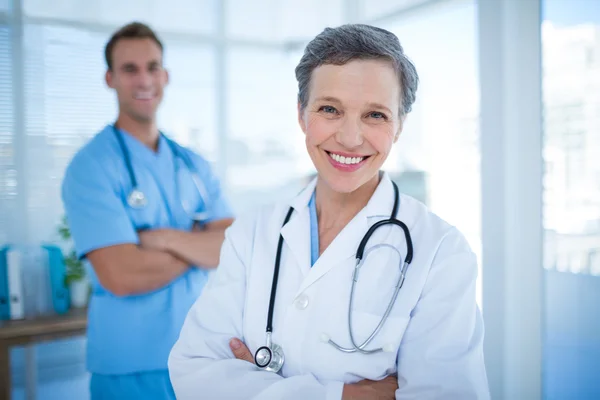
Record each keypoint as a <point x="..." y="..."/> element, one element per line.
<point x="137" y="198"/>
<point x="271" y="358"/>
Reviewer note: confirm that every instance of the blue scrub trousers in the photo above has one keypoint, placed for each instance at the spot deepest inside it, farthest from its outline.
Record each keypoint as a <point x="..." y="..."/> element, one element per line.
<point x="152" y="385"/>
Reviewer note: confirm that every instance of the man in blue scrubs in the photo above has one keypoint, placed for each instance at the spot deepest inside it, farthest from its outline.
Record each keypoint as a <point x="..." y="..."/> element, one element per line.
<point x="148" y="257"/>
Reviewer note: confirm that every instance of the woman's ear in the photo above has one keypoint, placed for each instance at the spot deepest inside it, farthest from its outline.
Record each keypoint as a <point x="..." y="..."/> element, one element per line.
<point x="301" y="118"/>
<point x="400" y="127"/>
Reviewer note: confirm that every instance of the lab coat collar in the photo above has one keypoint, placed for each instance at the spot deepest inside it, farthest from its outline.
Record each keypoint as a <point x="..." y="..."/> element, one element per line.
<point x="297" y="231"/>
<point x="380" y="204"/>
<point x="302" y="199"/>
<point x="382" y="201"/>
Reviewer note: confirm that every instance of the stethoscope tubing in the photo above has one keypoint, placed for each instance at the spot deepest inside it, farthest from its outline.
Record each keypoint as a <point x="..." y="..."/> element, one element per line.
<point x="176" y="153"/>
<point x="359" y="261"/>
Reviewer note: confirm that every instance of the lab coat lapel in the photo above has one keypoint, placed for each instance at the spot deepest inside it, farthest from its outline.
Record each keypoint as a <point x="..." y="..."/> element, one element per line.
<point x="296" y="236"/>
<point x="344" y="246"/>
<point x="296" y="233"/>
<point x="341" y="249"/>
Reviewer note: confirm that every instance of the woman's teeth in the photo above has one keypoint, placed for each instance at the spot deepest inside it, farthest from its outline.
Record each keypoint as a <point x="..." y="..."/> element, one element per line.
<point x="345" y="160"/>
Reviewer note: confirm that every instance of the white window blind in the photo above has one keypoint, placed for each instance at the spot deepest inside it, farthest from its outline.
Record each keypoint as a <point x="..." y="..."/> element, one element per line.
<point x="182" y="16"/>
<point x="281" y="20"/>
<point x="188" y="111"/>
<point x="8" y="183"/>
<point x="66" y="102"/>
<point x="266" y="152"/>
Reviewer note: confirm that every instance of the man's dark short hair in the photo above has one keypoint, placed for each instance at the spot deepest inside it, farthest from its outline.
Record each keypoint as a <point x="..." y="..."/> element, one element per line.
<point x="134" y="30"/>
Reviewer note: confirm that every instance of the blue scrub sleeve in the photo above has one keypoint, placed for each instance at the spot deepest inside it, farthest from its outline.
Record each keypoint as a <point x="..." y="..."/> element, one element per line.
<point x="219" y="206"/>
<point x="95" y="212"/>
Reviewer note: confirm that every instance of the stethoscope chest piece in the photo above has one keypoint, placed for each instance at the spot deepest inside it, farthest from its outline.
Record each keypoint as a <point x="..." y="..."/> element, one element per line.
<point x="269" y="358"/>
<point x="136" y="199"/>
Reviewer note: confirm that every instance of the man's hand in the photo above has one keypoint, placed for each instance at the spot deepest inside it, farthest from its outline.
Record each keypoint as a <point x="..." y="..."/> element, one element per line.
<point x="155" y="239"/>
<point x="384" y="389"/>
<point x="199" y="247"/>
<point x="240" y="351"/>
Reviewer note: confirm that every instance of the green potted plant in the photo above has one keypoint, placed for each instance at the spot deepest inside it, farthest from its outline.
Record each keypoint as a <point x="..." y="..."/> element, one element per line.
<point x="75" y="277"/>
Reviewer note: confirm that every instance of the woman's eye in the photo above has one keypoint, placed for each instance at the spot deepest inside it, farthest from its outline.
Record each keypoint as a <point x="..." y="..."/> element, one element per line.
<point x="328" y="109"/>
<point x="377" y="115"/>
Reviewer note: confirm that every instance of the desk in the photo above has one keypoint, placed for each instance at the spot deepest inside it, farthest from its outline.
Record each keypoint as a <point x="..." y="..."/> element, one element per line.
<point x="26" y="332"/>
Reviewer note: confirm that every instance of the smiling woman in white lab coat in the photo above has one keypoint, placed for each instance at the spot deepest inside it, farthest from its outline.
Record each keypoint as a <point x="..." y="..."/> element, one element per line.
<point x="285" y="281"/>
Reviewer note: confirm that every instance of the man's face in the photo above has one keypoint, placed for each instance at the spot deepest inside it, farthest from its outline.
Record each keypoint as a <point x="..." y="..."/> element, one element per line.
<point x="138" y="77"/>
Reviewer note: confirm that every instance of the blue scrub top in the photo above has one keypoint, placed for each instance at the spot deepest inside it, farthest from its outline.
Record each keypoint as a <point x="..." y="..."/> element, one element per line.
<point x="314" y="230"/>
<point x="135" y="333"/>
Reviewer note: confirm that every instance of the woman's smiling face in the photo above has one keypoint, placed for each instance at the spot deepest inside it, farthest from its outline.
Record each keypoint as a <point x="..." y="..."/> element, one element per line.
<point x="351" y="120"/>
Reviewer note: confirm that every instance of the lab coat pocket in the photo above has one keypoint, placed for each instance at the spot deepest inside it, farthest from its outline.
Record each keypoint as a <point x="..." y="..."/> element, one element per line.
<point x="377" y="281"/>
<point x="388" y="335"/>
<point x="354" y="366"/>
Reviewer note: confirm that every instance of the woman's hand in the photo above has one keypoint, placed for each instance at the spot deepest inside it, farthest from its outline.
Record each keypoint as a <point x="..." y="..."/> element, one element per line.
<point x="240" y="350"/>
<point x="363" y="390"/>
<point x="366" y="389"/>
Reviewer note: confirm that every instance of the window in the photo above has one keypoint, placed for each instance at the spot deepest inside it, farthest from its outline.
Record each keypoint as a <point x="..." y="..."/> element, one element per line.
<point x="278" y="21"/>
<point x="8" y="174"/>
<point x="375" y="9"/>
<point x="198" y="17"/>
<point x="66" y="103"/>
<point x="571" y="44"/>
<point x="265" y="151"/>
<point x="188" y="112"/>
<point x="436" y="158"/>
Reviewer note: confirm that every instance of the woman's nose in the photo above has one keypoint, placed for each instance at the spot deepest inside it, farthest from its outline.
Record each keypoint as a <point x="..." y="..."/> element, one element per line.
<point x="350" y="135"/>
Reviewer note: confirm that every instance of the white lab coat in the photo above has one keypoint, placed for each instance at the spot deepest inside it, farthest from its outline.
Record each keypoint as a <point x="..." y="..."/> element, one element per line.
<point x="433" y="337"/>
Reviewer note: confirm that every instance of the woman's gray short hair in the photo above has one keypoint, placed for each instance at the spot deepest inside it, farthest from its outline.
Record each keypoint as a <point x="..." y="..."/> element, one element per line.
<point x="343" y="44"/>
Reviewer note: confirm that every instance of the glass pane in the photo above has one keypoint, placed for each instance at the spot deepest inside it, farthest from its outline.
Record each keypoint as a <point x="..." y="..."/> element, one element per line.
<point x="374" y="9"/>
<point x="5" y="5"/>
<point x="276" y="21"/>
<point x="172" y="15"/>
<point x="188" y="110"/>
<point x="436" y="158"/>
<point x="571" y="104"/>
<point x="67" y="102"/>
<point x="266" y="152"/>
<point x="8" y="176"/>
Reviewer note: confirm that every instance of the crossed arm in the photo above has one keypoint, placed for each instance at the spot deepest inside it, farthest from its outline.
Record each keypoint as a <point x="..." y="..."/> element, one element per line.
<point x="210" y="357"/>
<point x="363" y="390"/>
<point x="161" y="256"/>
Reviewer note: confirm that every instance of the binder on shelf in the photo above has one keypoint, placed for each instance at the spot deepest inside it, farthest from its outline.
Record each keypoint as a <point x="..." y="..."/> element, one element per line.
<point x="14" y="263"/>
<point x="57" y="272"/>
<point x="4" y="299"/>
